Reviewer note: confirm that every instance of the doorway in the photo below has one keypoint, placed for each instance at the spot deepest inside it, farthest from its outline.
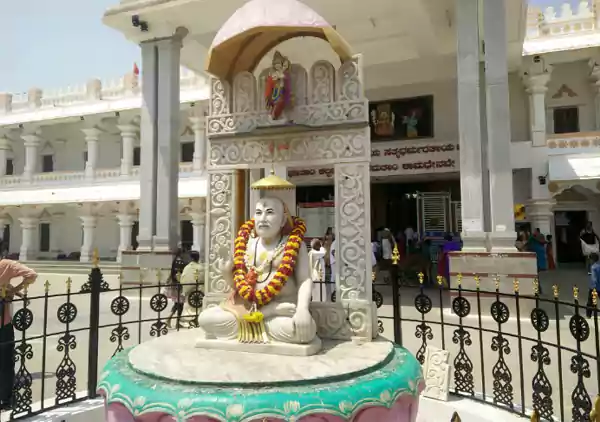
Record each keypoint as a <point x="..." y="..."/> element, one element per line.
<point x="187" y="235"/>
<point x="568" y="226"/>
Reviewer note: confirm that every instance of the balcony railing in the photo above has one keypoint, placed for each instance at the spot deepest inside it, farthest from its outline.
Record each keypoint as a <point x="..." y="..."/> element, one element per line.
<point x="574" y="140"/>
<point x="59" y="177"/>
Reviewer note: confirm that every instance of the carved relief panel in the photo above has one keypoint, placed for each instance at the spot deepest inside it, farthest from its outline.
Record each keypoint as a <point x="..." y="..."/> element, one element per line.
<point x="323" y="96"/>
<point x="220" y="232"/>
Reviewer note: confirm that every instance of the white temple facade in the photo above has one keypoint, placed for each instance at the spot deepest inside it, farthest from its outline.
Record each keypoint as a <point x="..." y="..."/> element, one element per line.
<point x="69" y="160"/>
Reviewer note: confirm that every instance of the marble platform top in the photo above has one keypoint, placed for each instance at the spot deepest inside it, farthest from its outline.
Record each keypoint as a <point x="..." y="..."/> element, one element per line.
<point x="175" y="357"/>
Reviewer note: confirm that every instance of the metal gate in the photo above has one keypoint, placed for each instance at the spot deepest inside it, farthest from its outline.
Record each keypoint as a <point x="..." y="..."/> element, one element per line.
<point x="433" y="212"/>
<point x="456" y="217"/>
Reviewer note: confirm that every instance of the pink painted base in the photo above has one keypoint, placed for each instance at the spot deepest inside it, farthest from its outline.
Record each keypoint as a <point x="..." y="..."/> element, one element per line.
<point x="404" y="410"/>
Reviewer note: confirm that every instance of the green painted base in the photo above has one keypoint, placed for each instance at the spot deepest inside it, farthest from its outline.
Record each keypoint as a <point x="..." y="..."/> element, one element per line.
<point x="397" y="376"/>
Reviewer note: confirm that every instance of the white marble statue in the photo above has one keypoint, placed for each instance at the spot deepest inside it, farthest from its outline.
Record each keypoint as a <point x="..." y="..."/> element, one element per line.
<point x="286" y="317"/>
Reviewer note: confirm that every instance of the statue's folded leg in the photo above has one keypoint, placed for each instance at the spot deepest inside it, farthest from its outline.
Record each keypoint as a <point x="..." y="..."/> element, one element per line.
<point x="218" y="323"/>
<point x="282" y="329"/>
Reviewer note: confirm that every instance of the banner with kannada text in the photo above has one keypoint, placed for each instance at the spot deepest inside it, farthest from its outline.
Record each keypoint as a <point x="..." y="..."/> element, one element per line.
<point x="398" y="158"/>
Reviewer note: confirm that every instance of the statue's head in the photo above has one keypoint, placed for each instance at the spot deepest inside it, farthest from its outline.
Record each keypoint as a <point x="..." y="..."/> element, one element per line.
<point x="269" y="217"/>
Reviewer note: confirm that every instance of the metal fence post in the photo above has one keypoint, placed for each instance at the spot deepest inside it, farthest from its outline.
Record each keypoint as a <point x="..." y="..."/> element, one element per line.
<point x="396" y="296"/>
<point x="94" y="286"/>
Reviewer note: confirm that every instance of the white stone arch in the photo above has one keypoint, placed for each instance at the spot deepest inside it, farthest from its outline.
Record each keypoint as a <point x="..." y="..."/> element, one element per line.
<point x="244" y="93"/>
<point x="322" y="83"/>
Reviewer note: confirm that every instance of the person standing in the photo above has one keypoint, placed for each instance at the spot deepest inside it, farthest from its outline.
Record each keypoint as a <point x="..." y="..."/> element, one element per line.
<point x="192" y="277"/>
<point x="589" y="244"/>
<point x="9" y="270"/>
<point x="316" y="261"/>
<point x="594" y="282"/>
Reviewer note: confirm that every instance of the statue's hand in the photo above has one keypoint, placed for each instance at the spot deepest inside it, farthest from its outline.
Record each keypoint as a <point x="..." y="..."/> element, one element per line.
<point x="303" y="323"/>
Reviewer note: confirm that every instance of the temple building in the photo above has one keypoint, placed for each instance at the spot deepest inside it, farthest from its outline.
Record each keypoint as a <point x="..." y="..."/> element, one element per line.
<point x="464" y="129"/>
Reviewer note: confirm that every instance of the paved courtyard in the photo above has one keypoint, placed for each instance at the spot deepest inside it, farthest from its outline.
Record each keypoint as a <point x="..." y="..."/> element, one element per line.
<point x="43" y="366"/>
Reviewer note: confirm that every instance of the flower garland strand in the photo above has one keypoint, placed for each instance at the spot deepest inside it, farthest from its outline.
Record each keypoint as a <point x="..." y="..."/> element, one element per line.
<point x="245" y="282"/>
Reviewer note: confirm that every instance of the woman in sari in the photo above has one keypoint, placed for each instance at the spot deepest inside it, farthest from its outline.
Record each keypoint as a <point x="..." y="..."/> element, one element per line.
<point x="537" y="244"/>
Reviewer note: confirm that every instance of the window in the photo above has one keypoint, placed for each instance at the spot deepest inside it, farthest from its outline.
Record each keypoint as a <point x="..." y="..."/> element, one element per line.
<point x="566" y="120"/>
<point x="137" y="156"/>
<point x="187" y="152"/>
<point x="10" y="167"/>
<point x="47" y="163"/>
<point x="45" y="237"/>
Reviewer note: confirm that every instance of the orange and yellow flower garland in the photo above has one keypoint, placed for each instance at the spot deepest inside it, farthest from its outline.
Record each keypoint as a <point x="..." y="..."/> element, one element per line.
<point x="244" y="285"/>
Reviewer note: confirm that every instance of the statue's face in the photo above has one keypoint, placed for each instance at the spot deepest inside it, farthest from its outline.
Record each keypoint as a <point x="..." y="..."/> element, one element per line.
<point x="269" y="218"/>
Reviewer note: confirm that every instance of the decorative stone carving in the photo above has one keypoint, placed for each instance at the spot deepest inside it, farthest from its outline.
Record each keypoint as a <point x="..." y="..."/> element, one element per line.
<point x="352" y="193"/>
<point x="326" y="114"/>
<point x="220" y="226"/>
<point x="349" y="80"/>
<point x="339" y="321"/>
<point x="262" y="84"/>
<point x="299" y="85"/>
<point x="220" y="102"/>
<point x="292" y="149"/>
<point x="244" y="93"/>
<point x="437" y="370"/>
<point x="322" y="83"/>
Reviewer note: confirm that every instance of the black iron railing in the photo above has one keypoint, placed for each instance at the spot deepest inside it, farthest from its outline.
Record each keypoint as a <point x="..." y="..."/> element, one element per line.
<point x="523" y="353"/>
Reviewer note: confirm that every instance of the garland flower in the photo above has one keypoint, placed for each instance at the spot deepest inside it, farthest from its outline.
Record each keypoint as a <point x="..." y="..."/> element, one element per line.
<point x="245" y="280"/>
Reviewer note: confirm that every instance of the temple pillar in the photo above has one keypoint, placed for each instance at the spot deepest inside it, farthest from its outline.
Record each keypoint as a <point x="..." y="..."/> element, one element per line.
<point x="595" y="76"/>
<point x="32" y="143"/>
<point x="540" y="207"/>
<point x="92" y="135"/>
<point x="5" y="148"/>
<point x="29" y="226"/>
<point x="128" y="137"/>
<point x="200" y="144"/>
<point x="469" y="125"/>
<point x="89" y="224"/>
<point x="502" y="236"/>
<point x="126" y="222"/>
<point x="149" y="146"/>
<point x="198" y="228"/>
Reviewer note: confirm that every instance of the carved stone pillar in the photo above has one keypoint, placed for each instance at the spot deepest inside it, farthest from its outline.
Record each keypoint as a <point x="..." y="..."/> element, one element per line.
<point x="92" y="136"/>
<point x="128" y="136"/>
<point x="221" y="233"/>
<point x="198" y="227"/>
<point x="126" y="222"/>
<point x="200" y="143"/>
<point x="89" y="223"/>
<point x="32" y="143"/>
<point x="536" y="80"/>
<point x="5" y="148"/>
<point x="353" y="239"/>
<point x="29" y="227"/>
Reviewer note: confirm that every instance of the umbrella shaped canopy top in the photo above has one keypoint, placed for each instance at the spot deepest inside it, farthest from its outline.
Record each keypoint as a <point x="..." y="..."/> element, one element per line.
<point x="259" y="26"/>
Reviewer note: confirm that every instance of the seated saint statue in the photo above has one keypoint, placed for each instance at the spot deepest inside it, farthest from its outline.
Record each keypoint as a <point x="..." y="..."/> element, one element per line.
<point x="271" y="282"/>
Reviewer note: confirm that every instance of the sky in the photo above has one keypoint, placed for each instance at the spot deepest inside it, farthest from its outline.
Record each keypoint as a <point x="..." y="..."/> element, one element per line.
<point x="52" y="44"/>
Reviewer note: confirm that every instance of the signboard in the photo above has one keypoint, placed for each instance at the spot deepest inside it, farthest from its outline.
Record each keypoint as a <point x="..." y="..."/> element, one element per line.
<point x="398" y="158"/>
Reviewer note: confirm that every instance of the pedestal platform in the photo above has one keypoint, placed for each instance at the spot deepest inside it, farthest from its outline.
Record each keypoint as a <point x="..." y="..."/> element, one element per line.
<point x="170" y="377"/>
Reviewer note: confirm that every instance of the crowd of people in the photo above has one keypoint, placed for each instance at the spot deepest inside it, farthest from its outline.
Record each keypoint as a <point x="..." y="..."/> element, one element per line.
<point x="540" y="244"/>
